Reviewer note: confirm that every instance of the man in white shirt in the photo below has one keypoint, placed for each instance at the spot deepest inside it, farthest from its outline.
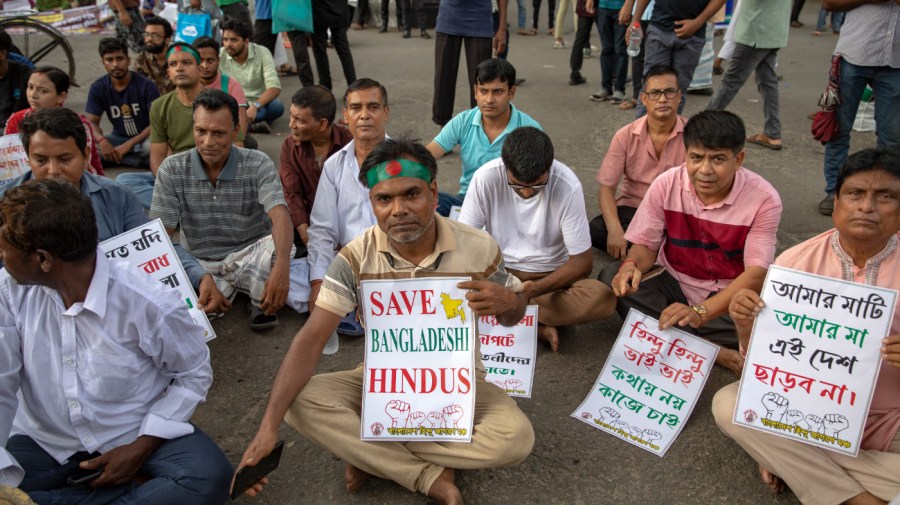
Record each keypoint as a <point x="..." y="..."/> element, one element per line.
<point x="101" y="367"/>
<point x="533" y="206"/>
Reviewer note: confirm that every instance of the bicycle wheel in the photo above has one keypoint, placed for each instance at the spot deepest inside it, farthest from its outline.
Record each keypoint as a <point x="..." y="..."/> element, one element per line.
<point x="42" y="44"/>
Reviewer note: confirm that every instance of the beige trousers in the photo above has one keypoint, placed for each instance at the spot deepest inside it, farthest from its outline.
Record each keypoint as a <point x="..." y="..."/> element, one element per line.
<point x="816" y="476"/>
<point x="584" y="301"/>
<point x="327" y="412"/>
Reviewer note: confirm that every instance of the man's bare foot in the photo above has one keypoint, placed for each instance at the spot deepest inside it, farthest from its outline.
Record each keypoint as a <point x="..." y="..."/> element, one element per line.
<point x="355" y="478"/>
<point x="730" y="359"/>
<point x="770" y="479"/>
<point x="444" y="490"/>
<point x="550" y="335"/>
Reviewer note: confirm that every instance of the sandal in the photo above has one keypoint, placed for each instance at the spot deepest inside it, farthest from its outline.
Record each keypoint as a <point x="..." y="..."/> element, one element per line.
<point x="760" y="139"/>
<point x="627" y="104"/>
<point x="260" y="321"/>
<point x="527" y="32"/>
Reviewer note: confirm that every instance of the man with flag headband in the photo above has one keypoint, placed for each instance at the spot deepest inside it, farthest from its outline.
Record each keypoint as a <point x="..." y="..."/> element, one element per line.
<point x="409" y="240"/>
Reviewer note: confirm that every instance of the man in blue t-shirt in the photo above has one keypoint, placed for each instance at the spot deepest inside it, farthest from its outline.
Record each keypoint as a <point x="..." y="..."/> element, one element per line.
<point x="125" y="97"/>
<point x="480" y="131"/>
<point x="463" y="21"/>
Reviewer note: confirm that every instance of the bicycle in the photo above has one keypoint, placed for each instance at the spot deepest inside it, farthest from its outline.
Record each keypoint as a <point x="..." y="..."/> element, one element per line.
<point x="41" y="43"/>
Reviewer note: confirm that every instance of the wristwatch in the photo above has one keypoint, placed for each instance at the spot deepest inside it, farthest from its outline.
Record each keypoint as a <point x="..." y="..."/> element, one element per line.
<point x="701" y="311"/>
<point x="257" y="105"/>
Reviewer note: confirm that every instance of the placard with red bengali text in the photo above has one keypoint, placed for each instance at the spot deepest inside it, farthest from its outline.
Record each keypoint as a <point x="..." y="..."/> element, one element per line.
<point x="149" y="248"/>
<point x="13" y="160"/>
<point x="508" y="354"/>
<point x="419" y="381"/>
<point x="813" y="359"/>
<point x="649" y="384"/>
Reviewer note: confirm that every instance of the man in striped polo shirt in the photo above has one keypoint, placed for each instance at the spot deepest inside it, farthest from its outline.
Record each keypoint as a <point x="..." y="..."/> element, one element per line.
<point x="711" y="225"/>
<point x="228" y="203"/>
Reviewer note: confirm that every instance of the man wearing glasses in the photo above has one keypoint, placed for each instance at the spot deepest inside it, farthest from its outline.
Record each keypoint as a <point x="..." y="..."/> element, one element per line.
<point x="711" y="225"/>
<point x="533" y="206"/>
<point x="638" y="153"/>
<point x="151" y="63"/>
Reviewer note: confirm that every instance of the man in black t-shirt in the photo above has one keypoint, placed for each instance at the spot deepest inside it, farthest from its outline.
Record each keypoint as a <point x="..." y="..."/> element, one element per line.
<point x="13" y="81"/>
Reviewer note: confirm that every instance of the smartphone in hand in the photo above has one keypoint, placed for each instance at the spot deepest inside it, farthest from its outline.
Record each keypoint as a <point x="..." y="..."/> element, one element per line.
<point x="249" y="475"/>
<point x="83" y="476"/>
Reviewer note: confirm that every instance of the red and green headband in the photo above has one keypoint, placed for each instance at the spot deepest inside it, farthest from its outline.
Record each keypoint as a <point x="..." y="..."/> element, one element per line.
<point x="397" y="168"/>
<point x="183" y="48"/>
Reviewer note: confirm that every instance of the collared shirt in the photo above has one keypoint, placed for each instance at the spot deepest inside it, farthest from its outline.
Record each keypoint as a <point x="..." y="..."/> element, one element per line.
<point x="870" y="35"/>
<point x="823" y="255"/>
<point x="146" y="65"/>
<point x="705" y="247"/>
<point x="632" y="159"/>
<point x="256" y="74"/>
<point x="117" y="211"/>
<point x="459" y="250"/>
<point x="536" y="234"/>
<point x="341" y="212"/>
<point x="467" y="131"/>
<point x="300" y="172"/>
<point x="127" y="361"/>
<point x="763" y="24"/>
<point x="216" y="220"/>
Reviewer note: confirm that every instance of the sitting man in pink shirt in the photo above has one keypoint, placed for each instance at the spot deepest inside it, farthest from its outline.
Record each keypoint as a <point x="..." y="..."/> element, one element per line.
<point x="638" y="153"/>
<point x="862" y="247"/>
<point x="710" y="224"/>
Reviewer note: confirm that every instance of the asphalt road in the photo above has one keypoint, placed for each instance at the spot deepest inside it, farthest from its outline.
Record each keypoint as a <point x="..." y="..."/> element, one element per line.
<point x="571" y="462"/>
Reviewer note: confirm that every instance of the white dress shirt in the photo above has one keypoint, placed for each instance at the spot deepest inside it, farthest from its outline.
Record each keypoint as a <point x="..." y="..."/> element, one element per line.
<point x="126" y="362"/>
<point x="341" y="212"/>
<point x="536" y="234"/>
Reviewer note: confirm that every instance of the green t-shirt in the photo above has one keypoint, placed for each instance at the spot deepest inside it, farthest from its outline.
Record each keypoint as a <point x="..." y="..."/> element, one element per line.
<point x="223" y="3"/>
<point x="172" y="123"/>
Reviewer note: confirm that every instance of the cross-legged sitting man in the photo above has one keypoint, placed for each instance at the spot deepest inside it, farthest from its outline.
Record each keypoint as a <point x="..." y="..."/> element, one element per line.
<point x="711" y="225"/>
<point x="229" y="205"/>
<point x="862" y="247"/>
<point x="533" y="206"/>
<point x="101" y="367"/>
<point x="409" y="240"/>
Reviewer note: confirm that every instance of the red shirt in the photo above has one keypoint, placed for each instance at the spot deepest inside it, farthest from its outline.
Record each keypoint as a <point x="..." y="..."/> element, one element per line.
<point x="300" y="173"/>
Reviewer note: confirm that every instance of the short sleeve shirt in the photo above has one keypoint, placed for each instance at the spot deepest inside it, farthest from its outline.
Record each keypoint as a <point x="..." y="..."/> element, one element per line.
<point x="128" y="110"/>
<point x="666" y="12"/>
<point x="705" y="247"/>
<point x="172" y="123"/>
<point x="632" y="159"/>
<point x="217" y="220"/>
<point x="466" y="18"/>
<point x="466" y="130"/>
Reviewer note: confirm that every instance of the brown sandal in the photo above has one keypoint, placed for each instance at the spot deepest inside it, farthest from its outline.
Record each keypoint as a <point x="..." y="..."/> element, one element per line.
<point x="627" y="104"/>
<point x="760" y="139"/>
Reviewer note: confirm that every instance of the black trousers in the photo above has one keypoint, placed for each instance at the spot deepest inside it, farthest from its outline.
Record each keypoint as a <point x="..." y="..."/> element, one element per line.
<point x="385" y="4"/>
<point x="262" y="34"/>
<point x="446" y="66"/>
<point x="301" y="57"/>
<point x="238" y="11"/>
<point x="598" y="230"/>
<point x="582" y="40"/>
<point x="551" y="13"/>
<point x="341" y="47"/>
<point x="408" y="7"/>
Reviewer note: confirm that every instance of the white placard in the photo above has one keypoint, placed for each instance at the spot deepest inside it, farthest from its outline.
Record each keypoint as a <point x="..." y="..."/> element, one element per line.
<point x="649" y="384"/>
<point x="13" y="159"/>
<point x="419" y="381"/>
<point x="813" y="359"/>
<point x="149" y="248"/>
<point x="508" y="354"/>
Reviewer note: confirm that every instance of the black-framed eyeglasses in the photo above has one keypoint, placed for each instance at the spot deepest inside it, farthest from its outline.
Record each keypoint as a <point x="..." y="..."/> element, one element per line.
<point x="655" y="94"/>
<point x="519" y="187"/>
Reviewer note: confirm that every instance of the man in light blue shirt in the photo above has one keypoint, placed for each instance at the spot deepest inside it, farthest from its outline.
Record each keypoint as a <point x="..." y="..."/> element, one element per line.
<point x="480" y="131"/>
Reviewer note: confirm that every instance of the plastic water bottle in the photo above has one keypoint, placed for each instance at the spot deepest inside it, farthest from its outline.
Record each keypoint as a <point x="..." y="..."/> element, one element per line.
<point x="634" y="40"/>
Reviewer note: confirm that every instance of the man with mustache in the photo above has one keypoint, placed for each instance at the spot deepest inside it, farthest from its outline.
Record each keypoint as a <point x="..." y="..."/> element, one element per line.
<point x="533" y="206"/>
<point x="711" y="224"/>
<point x="125" y="96"/>
<point x="152" y="62"/>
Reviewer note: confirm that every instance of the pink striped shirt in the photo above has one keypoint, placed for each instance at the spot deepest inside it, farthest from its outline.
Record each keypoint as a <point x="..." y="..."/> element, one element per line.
<point x="705" y="247"/>
<point x="819" y="256"/>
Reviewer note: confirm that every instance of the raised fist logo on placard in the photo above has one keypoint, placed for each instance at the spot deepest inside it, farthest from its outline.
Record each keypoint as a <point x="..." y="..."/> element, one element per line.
<point x="452" y="415"/>
<point x="417" y="418"/>
<point x="793" y="417"/>
<point x="435" y="419"/>
<point x="513" y="385"/>
<point x="652" y="435"/>
<point x="398" y="411"/>
<point x="776" y="405"/>
<point x="814" y="423"/>
<point x="834" y="424"/>
<point x="608" y="415"/>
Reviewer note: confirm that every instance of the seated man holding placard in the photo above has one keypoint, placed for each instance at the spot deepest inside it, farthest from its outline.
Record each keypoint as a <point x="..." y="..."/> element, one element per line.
<point x="409" y="241"/>
<point x="533" y="206"/>
<point x="711" y="224"/>
<point x="101" y="367"/>
<point x="56" y="143"/>
<point x="229" y="205"/>
<point x="862" y="247"/>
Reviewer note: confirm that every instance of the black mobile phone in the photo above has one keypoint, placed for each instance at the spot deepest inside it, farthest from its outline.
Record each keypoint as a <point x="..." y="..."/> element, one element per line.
<point x="83" y="476"/>
<point x="249" y="475"/>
